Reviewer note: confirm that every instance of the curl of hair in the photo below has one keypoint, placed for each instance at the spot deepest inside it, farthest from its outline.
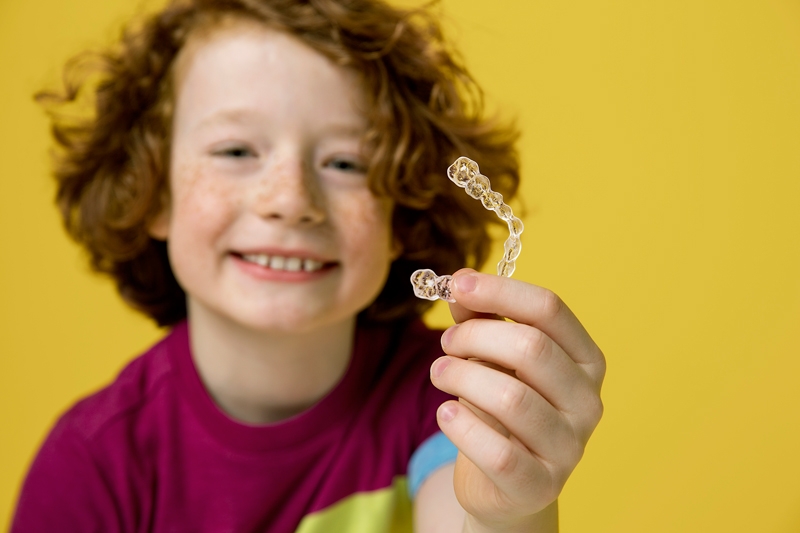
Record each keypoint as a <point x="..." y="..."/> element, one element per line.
<point x="424" y="111"/>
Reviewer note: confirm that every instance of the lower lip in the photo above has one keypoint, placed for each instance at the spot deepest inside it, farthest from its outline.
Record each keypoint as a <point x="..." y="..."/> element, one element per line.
<point x="268" y="274"/>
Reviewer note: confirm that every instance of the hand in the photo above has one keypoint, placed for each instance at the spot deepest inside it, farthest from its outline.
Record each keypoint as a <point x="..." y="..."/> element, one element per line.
<point x="529" y="398"/>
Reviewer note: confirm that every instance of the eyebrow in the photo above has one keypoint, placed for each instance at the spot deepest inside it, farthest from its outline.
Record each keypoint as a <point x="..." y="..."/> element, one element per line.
<point x="225" y="116"/>
<point x="347" y="130"/>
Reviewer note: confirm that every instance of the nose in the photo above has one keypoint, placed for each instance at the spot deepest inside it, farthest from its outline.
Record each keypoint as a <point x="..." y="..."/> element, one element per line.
<point x="288" y="192"/>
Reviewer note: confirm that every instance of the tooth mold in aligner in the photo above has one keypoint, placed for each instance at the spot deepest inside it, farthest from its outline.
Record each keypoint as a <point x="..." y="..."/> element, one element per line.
<point x="464" y="172"/>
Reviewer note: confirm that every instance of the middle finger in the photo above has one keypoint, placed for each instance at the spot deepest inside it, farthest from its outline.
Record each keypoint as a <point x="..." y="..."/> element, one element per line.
<point x="535" y="358"/>
<point x="519" y="408"/>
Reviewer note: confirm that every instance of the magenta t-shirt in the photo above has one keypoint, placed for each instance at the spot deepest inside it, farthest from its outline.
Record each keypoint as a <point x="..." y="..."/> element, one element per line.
<point x="152" y="452"/>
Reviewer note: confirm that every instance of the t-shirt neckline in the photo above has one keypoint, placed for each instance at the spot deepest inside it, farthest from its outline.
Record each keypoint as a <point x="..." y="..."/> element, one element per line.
<point x="369" y="346"/>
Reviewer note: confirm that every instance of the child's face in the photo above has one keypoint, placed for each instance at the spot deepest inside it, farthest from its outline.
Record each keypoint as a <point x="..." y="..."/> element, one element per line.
<point x="266" y="167"/>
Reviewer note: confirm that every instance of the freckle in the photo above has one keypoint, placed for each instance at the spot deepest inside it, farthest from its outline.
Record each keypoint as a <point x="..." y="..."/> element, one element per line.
<point x="360" y="220"/>
<point x="266" y="188"/>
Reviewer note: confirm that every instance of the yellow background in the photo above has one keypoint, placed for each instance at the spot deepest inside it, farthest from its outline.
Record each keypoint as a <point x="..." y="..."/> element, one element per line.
<point x="661" y="159"/>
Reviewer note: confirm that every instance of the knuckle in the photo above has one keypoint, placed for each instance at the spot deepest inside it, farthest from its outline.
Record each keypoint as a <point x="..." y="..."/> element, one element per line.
<point x="588" y="419"/>
<point x="592" y="411"/>
<point x="596" y="410"/>
<point x="576" y="451"/>
<point x="601" y="366"/>
<point x="602" y="372"/>
<point x="560" y="477"/>
<point x="558" y="474"/>
<point x="551" y="304"/>
<point x="514" y="398"/>
<point x="574" y="448"/>
<point x="572" y="455"/>
<point x="532" y="343"/>
<point x="505" y="461"/>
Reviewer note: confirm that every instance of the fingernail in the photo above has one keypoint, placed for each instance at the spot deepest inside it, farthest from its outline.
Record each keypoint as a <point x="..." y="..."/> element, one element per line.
<point x="439" y="365"/>
<point x="447" y="336"/>
<point x="447" y="412"/>
<point x="466" y="283"/>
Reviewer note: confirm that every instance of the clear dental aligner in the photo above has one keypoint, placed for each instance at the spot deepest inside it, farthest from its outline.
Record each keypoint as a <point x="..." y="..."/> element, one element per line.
<point x="465" y="173"/>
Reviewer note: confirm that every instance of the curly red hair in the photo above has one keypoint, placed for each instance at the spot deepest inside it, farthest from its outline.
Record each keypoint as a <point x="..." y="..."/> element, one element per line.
<point x="424" y="110"/>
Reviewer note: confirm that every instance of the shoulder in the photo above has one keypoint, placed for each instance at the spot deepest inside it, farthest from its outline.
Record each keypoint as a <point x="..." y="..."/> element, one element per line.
<point x="73" y="480"/>
<point x="135" y="385"/>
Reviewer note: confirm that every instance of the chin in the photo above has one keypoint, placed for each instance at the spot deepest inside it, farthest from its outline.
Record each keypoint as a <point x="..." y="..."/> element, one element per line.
<point x="290" y="321"/>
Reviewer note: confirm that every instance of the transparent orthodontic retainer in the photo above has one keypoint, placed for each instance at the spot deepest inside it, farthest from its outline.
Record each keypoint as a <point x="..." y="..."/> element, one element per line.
<point x="466" y="174"/>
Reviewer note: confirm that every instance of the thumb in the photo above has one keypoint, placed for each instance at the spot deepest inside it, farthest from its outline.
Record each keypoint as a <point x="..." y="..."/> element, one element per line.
<point x="459" y="312"/>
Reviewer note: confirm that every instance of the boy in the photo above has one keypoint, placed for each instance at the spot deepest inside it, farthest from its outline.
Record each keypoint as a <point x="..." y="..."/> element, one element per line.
<point x="263" y="176"/>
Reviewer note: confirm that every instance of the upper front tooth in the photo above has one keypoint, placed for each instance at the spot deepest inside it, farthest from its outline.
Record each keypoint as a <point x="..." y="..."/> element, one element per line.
<point x="259" y="259"/>
<point x="310" y="265"/>
<point x="293" y="264"/>
<point x="278" y="262"/>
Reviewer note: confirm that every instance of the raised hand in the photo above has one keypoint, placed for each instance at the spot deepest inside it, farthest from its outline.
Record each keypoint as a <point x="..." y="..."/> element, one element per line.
<point x="529" y="399"/>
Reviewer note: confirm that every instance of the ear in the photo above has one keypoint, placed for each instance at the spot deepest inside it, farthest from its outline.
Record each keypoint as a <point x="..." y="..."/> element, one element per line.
<point x="159" y="226"/>
<point x="397" y="248"/>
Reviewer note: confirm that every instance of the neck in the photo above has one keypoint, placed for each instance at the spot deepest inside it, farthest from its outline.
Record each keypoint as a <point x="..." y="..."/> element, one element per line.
<point x="261" y="377"/>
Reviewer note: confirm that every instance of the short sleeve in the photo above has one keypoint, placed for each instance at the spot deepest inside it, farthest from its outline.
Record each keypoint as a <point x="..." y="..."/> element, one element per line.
<point x="64" y="491"/>
<point x="436" y="452"/>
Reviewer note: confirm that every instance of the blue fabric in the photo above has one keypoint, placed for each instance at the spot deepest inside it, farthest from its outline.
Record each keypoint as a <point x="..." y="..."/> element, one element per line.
<point x="436" y="452"/>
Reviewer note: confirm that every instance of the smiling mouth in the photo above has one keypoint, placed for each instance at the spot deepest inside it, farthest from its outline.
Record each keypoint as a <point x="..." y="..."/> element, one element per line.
<point x="286" y="264"/>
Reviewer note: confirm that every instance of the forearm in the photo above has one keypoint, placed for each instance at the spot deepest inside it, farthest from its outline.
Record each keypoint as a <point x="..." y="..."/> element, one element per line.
<point x="545" y="521"/>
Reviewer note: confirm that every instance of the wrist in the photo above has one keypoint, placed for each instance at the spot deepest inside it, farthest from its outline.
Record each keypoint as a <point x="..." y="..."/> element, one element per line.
<point x="545" y="521"/>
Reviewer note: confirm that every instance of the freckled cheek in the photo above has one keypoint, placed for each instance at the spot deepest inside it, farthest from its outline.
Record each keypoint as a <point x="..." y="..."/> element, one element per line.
<point x="365" y="222"/>
<point x="200" y="202"/>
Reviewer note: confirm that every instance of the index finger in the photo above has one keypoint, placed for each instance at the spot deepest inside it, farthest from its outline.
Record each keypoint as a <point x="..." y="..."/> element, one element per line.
<point x="462" y="314"/>
<point x="527" y="304"/>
